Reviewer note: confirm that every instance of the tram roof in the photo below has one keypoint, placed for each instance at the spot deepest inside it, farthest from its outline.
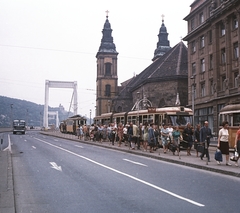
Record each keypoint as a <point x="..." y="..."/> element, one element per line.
<point x="232" y="108"/>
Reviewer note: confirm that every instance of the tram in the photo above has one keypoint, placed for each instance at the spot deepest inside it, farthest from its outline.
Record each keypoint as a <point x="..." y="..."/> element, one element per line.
<point x="175" y="116"/>
<point x="231" y="113"/>
<point x="70" y="124"/>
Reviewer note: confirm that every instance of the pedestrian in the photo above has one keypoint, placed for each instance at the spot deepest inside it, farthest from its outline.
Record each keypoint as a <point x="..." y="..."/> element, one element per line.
<point x="140" y="136"/>
<point x="205" y="135"/>
<point x="145" y="136"/>
<point x="125" y="134"/>
<point x="78" y="131"/>
<point x="130" y="134"/>
<point x="120" y="134"/>
<point x="196" y="137"/>
<point x="170" y="130"/>
<point x="176" y="134"/>
<point x="113" y="133"/>
<point x="188" y="137"/>
<point x="223" y="143"/>
<point x="151" y="137"/>
<point x="156" y="134"/>
<point x="164" y="137"/>
<point x="81" y="132"/>
<point x="237" y="144"/>
<point x="134" y="136"/>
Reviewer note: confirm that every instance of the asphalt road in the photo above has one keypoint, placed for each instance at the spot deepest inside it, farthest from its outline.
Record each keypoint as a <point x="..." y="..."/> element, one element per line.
<point x="57" y="176"/>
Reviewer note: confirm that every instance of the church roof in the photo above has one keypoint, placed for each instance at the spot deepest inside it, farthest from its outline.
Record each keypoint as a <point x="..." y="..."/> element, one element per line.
<point x="163" y="44"/>
<point x="107" y="45"/>
<point x="171" y="65"/>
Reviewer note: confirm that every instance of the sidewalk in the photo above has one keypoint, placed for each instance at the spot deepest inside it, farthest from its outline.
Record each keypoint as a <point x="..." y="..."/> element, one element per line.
<point x="6" y="183"/>
<point x="191" y="161"/>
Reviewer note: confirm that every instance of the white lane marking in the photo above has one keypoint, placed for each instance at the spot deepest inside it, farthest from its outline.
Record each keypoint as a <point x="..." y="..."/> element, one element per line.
<point x="127" y="175"/>
<point x="55" y="166"/>
<point x="134" y="162"/>
<point x="25" y="140"/>
<point x="79" y="146"/>
<point x="33" y="147"/>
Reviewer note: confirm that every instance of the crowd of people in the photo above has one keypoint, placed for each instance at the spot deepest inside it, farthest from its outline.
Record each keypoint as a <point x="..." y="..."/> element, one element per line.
<point x="150" y="137"/>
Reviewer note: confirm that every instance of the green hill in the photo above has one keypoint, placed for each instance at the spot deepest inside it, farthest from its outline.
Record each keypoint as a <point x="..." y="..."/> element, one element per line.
<point x="32" y="113"/>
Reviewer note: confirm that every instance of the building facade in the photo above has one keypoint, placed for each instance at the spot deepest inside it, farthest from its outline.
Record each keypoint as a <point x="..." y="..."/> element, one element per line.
<point x="213" y="58"/>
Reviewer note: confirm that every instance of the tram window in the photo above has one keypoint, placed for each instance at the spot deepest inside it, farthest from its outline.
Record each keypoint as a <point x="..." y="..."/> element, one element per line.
<point x="180" y="120"/>
<point x="236" y="119"/>
<point x="145" y="119"/>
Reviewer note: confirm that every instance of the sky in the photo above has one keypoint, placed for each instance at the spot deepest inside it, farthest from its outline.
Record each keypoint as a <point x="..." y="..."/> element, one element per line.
<point x="57" y="40"/>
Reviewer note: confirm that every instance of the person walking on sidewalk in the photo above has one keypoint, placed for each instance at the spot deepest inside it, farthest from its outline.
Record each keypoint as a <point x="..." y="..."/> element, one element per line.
<point x="188" y="137"/>
<point x="205" y="135"/>
<point x="223" y="143"/>
<point x="164" y="137"/>
<point x="197" y="138"/>
<point x="237" y="145"/>
<point x="151" y="137"/>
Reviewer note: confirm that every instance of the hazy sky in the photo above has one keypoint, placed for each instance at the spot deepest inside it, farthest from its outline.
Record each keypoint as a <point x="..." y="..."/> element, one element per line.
<point x="57" y="40"/>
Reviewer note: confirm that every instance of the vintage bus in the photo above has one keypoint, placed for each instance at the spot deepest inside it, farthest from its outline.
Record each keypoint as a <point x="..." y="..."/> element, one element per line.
<point x="231" y="113"/>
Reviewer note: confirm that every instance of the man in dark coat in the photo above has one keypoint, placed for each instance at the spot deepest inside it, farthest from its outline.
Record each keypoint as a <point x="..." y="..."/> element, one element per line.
<point x="205" y="135"/>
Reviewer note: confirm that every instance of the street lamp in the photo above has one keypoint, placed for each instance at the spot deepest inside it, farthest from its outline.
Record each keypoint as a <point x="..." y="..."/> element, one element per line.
<point x="90" y="116"/>
<point x="11" y="124"/>
<point x="27" y="118"/>
<point x="193" y="97"/>
<point x="138" y="96"/>
<point x="109" y="105"/>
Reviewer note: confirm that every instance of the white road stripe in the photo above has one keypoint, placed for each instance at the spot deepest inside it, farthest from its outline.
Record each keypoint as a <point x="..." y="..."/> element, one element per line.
<point x="134" y="162"/>
<point x="79" y="146"/>
<point x="33" y="147"/>
<point x="127" y="175"/>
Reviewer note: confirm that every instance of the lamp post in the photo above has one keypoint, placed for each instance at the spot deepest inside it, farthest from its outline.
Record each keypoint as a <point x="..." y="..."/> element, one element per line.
<point x="138" y="96"/>
<point x="193" y="97"/>
<point x="109" y="105"/>
<point x="90" y="116"/>
<point x="11" y="124"/>
<point x="27" y="117"/>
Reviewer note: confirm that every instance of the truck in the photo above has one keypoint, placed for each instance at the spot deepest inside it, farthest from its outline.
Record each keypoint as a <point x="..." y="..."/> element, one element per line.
<point x="19" y="126"/>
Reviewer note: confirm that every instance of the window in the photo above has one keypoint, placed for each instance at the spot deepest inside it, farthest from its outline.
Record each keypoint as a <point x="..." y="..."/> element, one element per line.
<point x="203" y="90"/>
<point x="236" y="77"/>
<point x="223" y="30"/>
<point x="201" y="18"/>
<point x="194" y="68"/>
<point x="108" y="69"/>
<point x="202" y="64"/>
<point x="235" y="22"/>
<point x="235" y="51"/>
<point x="223" y="56"/>
<point x="211" y="62"/>
<point x="193" y="47"/>
<point x="211" y="87"/>
<point x="192" y="24"/>
<point x="224" y="82"/>
<point x="210" y="36"/>
<point x="202" y="42"/>
<point x="108" y="90"/>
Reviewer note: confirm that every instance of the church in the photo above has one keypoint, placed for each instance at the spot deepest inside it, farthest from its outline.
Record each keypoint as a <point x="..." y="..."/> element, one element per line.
<point x="163" y="83"/>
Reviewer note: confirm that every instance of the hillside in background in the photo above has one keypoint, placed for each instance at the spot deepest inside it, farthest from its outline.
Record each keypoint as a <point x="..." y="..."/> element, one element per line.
<point x="32" y="113"/>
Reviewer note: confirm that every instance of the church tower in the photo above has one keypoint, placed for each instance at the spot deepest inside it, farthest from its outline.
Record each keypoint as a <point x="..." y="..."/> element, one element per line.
<point x="163" y="43"/>
<point x="107" y="77"/>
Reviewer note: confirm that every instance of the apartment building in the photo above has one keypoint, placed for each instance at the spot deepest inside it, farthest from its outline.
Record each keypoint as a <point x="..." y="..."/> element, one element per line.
<point x="213" y="58"/>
